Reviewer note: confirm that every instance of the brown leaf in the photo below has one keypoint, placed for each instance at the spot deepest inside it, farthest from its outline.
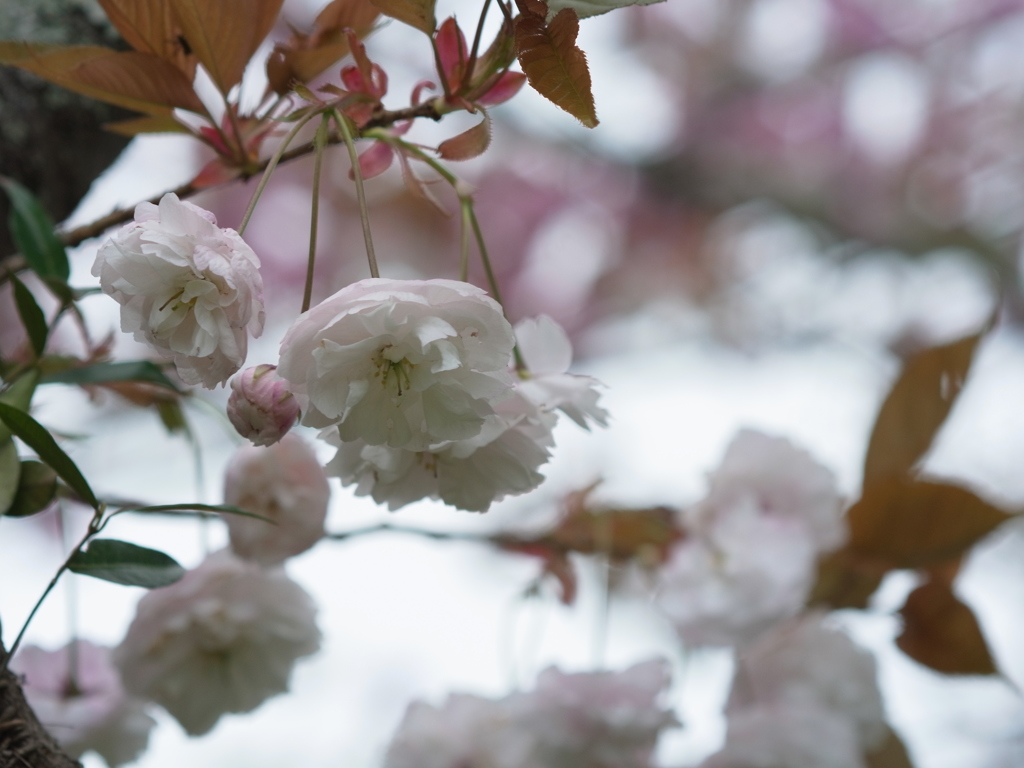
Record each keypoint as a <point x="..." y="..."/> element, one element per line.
<point x="415" y="13"/>
<point x="149" y="26"/>
<point x="151" y="124"/>
<point x="139" y="81"/>
<point x="646" y="535"/>
<point x="303" y="56"/>
<point x="844" y="581"/>
<point x="224" y="34"/>
<point x="554" y="65"/>
<point x="916" y="407"/>
<point x="941" y="632"/>
<point x="468" y="144"/>
<point x="907" y="524"/>
<point x="891" y="754"/>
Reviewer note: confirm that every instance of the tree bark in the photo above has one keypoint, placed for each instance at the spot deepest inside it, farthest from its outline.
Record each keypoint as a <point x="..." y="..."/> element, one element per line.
<point x="24" y="742"/>
<point x="52" y="140"/>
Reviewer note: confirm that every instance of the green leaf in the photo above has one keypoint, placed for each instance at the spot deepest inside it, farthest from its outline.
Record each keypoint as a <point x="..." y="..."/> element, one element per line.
<point x="33" y="233"/>
<point x="103" y="373"/>
<point x="173" y="417"/>
<point x="36" y="489"/>
<point x="128" y="564"/>
<point x="39" y="440"/>
<point x="188" y="507"/>
<point x="19" y="394"/>
<point x="10" y="473"/>
<point x="31" y="315"/>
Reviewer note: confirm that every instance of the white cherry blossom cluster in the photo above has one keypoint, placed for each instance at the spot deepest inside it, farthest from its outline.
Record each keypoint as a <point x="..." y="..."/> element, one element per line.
<point x="803" y="694"/>
<point x="749" y="556"/>
<point x="188" y="288"/>
<point x="583" y="720"/>
<point x="412" y="381"/>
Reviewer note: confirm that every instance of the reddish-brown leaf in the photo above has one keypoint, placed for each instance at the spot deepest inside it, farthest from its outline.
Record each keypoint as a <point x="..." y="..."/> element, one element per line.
<point x="844" y="581"/>
<point x="554" y="65"/>
<point x="916" y="407"/>
<point x="226" y="33"/>
<point x="139" y="81"/>
<point x="891" y="754"/>
<point x="646" y="535"/>
<point x="415" y="13"/>
<point x="149" y="26"/>
<point x="215" y="172"/>
<point x="468" y="144"/>
<point x="908" y="524"/>
<point x="941" y="632"/>
<point x="152" y="124"/>
<point x="304" y="56"/>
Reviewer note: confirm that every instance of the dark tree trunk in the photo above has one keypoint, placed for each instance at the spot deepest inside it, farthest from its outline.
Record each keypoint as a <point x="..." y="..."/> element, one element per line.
<point x="52" y="140"/>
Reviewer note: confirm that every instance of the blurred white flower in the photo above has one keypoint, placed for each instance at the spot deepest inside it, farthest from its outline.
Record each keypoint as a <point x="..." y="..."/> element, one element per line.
<point x="788" y="737"/>
<point x="284" y="483"/>
<point x="91" y="712"/>
<point x="501" y="460"/>
<point x="596" y="719"/>
<point x="770" y="476"/>
<point x="584" y="720"/>
<point x="222" y="639"/>
<point x="804" y="663"/>
<point x="744" y="573"/>
<point x="261" y="407"/>
<point x="188" y="288"/>
<point x="547" y="352"/>
<point x="400" y="363"/>
<point x="464" y="731"/>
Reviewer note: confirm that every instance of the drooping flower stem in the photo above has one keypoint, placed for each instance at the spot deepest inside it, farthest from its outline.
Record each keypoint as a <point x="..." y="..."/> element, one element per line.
<point x="270" y="169"/>
<point x="314" y="214"/>
<point x="471" y="64"/>
<point x="467" y="211"/>
<point x="95" y="526"/>
<point x="346" y="133"/>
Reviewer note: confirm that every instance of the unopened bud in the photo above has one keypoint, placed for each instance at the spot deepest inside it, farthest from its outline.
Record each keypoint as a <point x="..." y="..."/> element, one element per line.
<point x="261" y="407"/>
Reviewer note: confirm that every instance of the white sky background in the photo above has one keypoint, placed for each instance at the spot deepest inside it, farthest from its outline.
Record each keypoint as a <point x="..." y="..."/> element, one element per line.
<point x="405" y="618"/>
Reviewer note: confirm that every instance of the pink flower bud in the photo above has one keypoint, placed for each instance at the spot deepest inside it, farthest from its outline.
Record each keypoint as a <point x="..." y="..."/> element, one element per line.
<point x="285" y="484"/>
<point x="261" y="407"/>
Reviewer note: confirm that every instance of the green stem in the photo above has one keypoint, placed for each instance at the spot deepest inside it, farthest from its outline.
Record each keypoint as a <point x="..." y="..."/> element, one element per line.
<point x="467" y="211"/>
<point x="95" y="526"/>
<point x="492" y="281"/>
<point x="314" y="214"/>
<point x="471" y="64"/>
<point x="357" y="175"/>
<point x="270" y="169"/>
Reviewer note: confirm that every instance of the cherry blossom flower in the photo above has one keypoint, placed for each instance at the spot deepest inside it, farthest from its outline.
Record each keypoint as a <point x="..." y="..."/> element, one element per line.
<point x="788" y="737"/>
<point x="773" y="477"/>
<point x="284" y="483"/>
<point x="400" y="363"/>
<point x="91" y="712"/>
<point x="465" y="731"/>
<point x="261" y="408"/>
<point x="597" y="719"/>
<point x="187" y="287"/>
<point x="467" y="474"/>
<point x="805" y="663"/>
<point x="547" y="351"/>
<point x="582" y="720"/>
<point x="222" y="639"/>
<point x="742" y="575"/>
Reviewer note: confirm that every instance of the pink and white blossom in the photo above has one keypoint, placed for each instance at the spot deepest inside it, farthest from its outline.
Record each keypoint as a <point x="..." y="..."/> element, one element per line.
<point x="597" y="719"/>
<point x="772" y="477"/>
<point x="788" y="737"/>
<point x="188" y="288"/>
<point x="261" y="407"/>
<point x="222" y="639"/>
<point x="806" y="663"/>
<point x="741" y="575"/>
<point x="285" y="484"/>
<point x="91" y="711"/>
<point x="547" y="352"/>
<point x="405" y="364"/>
<point x="468" y="474"/>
